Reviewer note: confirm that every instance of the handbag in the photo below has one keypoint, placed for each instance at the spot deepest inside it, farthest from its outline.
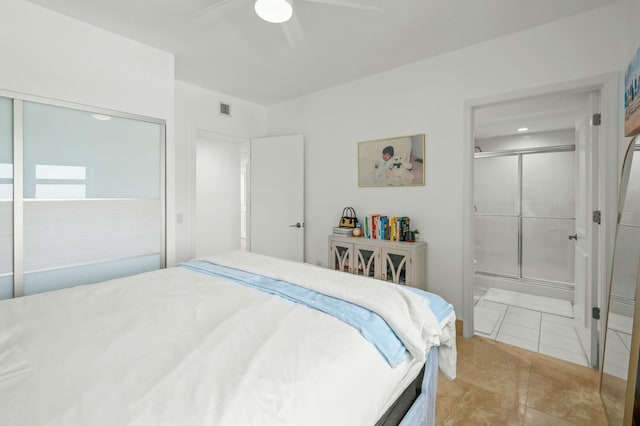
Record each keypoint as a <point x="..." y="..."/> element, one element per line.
<point x="348" y="219"/>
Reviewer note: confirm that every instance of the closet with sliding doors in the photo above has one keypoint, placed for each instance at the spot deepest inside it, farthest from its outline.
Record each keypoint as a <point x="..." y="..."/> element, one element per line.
<point x="82" y="194"/>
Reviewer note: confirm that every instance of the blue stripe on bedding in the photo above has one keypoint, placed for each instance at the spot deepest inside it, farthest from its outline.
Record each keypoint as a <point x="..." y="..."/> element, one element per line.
<point x="371" y="325"/>
<point x="440" y="307"/>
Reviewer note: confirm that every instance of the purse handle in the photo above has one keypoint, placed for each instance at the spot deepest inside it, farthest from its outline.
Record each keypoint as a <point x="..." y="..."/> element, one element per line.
<point x="349" y="212"/>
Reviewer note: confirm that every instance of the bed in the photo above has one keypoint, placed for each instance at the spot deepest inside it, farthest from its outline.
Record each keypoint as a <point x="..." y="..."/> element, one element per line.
<point x="233" y="339"/>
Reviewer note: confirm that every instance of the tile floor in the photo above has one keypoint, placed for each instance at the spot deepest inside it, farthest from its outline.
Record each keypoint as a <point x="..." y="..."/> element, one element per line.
<point x="536" y="331"/>
<point x="499" y="384"/>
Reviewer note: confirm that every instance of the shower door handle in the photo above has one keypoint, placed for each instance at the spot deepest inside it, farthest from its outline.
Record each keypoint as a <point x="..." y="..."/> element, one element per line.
<point x="573" y="237"/>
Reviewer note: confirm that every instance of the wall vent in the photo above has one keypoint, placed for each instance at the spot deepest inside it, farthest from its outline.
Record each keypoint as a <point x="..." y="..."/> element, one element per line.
<point x="225" y="109"/>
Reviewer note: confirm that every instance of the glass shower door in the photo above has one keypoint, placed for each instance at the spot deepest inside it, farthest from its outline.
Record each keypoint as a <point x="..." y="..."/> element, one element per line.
<point x="548" y="216"/>
<point x="497" y="210"/>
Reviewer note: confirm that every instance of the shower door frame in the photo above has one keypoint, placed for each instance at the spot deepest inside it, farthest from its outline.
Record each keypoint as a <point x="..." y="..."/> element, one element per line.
<point x="559" y="285"/>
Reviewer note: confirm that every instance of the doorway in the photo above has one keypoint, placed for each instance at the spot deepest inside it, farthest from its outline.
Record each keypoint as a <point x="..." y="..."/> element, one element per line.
<point x="248" y="195"/>
<point x="548" y="180"/>
<point x="220" y="203"/>
<point x="526" y="242"/>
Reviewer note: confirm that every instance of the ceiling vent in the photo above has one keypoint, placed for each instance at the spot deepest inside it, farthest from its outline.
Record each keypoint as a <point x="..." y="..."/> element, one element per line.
<point x="225" y="109"/>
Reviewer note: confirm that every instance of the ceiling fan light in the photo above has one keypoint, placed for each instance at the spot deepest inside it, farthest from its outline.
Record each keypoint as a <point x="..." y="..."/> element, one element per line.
<point x="274" y="11"/>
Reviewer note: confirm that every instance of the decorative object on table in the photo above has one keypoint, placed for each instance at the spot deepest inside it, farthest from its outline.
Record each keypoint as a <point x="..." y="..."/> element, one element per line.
<point x="357" y="232"/>
<point x="348" y="219"/>
<point x="391" y="162"/>
<point x="342" y="231"/>
<point x="632" y="97"/>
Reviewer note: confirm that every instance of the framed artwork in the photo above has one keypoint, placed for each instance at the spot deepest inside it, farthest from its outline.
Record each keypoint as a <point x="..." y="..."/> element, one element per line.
<point x="632" y="97"/>
<point x="391" y="162"/>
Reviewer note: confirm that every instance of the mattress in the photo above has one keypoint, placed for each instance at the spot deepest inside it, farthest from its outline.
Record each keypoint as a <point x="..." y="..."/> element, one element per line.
<point x="176" y="347"/>
<point x="396" y="412"/>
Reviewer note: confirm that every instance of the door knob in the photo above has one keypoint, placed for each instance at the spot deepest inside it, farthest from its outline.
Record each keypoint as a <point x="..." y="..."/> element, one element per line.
<point x="297" y="225"/>
<point x="573" y="237"/>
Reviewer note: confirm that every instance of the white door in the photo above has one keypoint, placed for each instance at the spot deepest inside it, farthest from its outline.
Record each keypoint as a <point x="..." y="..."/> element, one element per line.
<point x="277" y="197"/>
<point x="217" y="197"/>
<point x="586" y="233"/>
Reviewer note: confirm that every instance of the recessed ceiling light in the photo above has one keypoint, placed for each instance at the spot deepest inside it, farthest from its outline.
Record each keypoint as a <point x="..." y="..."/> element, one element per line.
<point x="101" y="117"/>
<point x="523" y="129"/>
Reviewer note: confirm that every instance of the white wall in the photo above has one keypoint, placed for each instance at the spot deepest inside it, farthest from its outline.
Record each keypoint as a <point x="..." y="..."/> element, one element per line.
<point x="49" y="55"/>
<point x="632" y="27"/>
<point x="429" y="97"/>
<point x="197" y="109"/>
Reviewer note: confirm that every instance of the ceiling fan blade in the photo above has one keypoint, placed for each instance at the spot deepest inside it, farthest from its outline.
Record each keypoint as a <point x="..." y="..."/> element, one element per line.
<point x="347" y="3"/>
<point x="204" y="16"/>
<point x="293" y="32"/>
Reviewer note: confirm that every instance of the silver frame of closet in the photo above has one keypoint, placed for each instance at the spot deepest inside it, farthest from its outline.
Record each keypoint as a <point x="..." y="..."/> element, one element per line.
<point x="18" y="175"/>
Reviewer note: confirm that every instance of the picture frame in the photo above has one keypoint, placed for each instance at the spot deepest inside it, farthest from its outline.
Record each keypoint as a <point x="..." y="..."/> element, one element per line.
<point x="397" y="161"/>
<point x="632" y="97"/>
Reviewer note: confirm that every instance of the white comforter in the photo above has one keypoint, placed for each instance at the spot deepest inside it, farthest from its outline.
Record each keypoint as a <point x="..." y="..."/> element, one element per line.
<point x="407" y="314"/>
<point x="174" y="347"/>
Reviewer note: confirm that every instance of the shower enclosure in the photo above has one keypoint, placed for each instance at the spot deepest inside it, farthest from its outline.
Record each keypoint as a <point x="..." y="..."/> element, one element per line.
<point x="525" y="219"/>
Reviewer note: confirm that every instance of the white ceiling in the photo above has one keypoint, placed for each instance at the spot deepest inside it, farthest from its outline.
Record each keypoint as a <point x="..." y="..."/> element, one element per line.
<point x="230" y="50"/>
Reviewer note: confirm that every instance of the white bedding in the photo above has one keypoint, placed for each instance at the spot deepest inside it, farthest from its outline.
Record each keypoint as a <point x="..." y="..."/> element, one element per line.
<point x="407" y="314"/>
<point x="175" y="347"/>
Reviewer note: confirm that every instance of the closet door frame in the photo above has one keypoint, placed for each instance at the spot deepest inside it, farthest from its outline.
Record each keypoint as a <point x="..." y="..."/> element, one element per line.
<point x="18" y="174"/>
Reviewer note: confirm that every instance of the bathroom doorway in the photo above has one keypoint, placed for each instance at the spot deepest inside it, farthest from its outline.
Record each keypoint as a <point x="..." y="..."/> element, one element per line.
<point x="534" y="266"/>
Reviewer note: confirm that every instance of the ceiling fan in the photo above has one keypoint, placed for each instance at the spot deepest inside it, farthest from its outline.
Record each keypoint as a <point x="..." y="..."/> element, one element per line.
<point x="280" y="11"/>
